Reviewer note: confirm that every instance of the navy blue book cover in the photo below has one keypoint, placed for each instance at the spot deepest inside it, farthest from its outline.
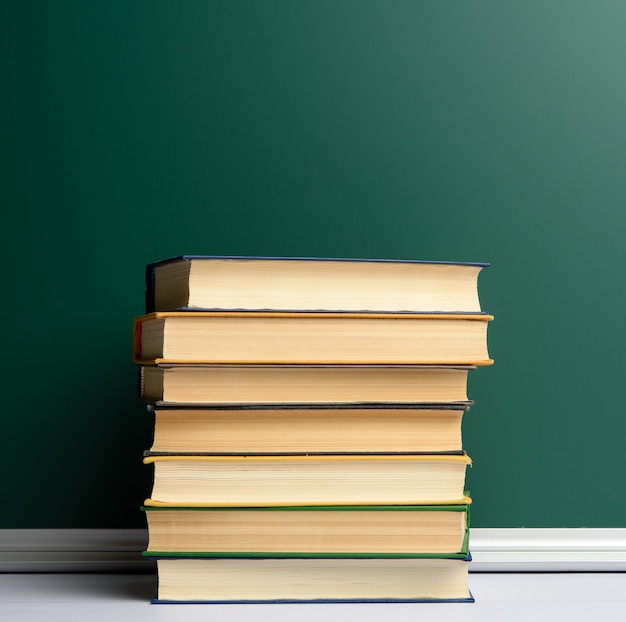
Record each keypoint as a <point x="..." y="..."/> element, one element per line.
<point x="270" y="601"/>
<point x="150" y="305"/>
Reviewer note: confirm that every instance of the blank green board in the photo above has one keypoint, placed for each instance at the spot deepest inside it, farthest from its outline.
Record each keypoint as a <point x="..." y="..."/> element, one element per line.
<point x="473" y="131"/>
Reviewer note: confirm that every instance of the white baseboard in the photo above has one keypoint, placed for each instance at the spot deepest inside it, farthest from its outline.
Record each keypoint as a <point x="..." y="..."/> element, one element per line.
<point x="548" y="550"/>
<point x="493" y="550"/>
<point x="74" y="550"/>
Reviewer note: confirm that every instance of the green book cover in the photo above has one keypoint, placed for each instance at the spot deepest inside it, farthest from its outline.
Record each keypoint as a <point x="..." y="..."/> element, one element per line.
<point x="231" y="528"/>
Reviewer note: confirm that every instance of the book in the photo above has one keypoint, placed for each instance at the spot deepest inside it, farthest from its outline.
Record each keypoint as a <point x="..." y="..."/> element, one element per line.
<point x="267" y="480"/>
<point x="361" y="531"/>
<point x="310" y="338"/>
<point x="291" y="580"/>
<point x="311" y="428"/>
<point x="301" y="384"/>
<point x="201" y="282"/>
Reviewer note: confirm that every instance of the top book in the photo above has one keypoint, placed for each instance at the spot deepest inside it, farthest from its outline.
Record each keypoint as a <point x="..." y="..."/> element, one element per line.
<point x="205" y="282"/>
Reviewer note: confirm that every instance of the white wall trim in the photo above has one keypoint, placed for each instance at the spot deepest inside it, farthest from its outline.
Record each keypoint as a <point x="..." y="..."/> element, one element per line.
<point x="73" y="550"/>
<point x="548" y="550"/>
<point x="493" y="550"/>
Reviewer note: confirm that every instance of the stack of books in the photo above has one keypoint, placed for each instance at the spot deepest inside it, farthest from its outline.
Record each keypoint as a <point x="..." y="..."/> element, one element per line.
<point x="308" y="427"/>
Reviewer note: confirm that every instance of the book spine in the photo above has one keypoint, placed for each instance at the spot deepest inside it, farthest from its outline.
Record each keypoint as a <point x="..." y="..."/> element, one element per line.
<point x="140" y="384"/>
<point x="149" y="297"/>
<point x="137" y="340"/>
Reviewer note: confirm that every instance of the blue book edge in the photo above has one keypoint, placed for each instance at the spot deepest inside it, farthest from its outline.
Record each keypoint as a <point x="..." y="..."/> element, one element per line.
<point x="469" y="599"/>
<point x="297" y="258"/>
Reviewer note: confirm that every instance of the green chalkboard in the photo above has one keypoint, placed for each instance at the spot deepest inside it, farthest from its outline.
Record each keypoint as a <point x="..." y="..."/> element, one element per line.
<point x="467" y="131"/>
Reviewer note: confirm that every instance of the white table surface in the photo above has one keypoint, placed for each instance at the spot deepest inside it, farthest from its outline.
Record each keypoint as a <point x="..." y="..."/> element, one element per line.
<point x="505" y="597"/>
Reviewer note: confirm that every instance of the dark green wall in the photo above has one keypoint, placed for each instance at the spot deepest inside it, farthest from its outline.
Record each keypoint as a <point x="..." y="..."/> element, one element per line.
<point x="482" y="131"/>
